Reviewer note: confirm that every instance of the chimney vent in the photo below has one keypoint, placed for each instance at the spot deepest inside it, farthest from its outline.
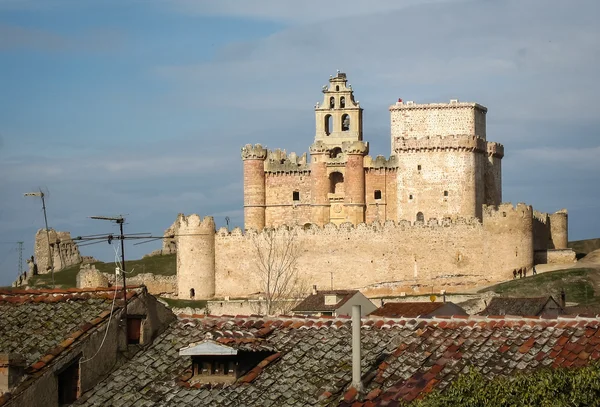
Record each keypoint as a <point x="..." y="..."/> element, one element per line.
<point x="12" y="367"/>
<point x="314" y="290"/>
<point x="356" y="353"/>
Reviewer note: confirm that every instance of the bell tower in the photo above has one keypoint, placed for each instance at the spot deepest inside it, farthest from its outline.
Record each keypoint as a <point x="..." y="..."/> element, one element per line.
<point x="339" y="117"/>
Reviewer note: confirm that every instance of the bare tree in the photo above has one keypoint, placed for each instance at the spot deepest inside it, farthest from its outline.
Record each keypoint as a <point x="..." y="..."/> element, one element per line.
<point x="277" y="253"/>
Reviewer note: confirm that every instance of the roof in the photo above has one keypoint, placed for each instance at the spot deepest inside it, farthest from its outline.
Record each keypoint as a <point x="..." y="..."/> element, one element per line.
<point x="518" y="306"/>
<point x="415" y="309"/>
<point x="41" y="324"/>
<point x="403" y="358"/>
<point x="316" y="302"/>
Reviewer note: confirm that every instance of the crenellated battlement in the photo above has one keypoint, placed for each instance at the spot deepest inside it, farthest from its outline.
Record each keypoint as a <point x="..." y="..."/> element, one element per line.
<point x="495" y="149"/>
<point x="381" y="162"/>
<point x="278" y="161"/>
<point x="540" y="216"/>
<point x="254" y="152"/>
<point x="185" y="224"/>
<point x="459" y="142"/>
<point x="454" y="104"/>
<point x="348" y="228"/>
<point x="505" y="210"/>
<point x="355" y="147"/>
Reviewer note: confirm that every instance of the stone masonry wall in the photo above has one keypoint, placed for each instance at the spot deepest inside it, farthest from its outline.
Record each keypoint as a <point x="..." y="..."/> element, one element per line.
<point x="281" y="209"/>
<point x="63" y="249"/>
<point x="436" y="119"/>
<point x="392" y="258"/>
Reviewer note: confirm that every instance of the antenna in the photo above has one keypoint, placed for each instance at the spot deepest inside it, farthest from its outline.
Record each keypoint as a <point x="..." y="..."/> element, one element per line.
<point x="119" y="220"/>
<point x="50" y="254"/>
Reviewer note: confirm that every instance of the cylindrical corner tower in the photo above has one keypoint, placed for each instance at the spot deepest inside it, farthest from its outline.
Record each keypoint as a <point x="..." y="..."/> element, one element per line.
<point x="559" y="229"/>
<point x="320" y="184"/>
<point x="254" y="186"/>
<point x="354" y="199"/>
<point x="195" y="257"/>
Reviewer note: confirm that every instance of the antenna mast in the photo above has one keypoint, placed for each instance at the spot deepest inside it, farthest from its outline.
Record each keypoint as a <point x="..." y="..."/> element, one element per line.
<point x="119" y="220"/>
<point x="50" y="254"/>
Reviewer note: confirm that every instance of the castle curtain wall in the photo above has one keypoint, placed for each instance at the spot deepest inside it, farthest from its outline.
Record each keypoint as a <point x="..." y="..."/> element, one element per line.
<point x="392" y="258"/>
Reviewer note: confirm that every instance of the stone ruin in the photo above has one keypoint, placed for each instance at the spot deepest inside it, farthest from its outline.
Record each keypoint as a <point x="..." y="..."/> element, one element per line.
<point x="90" y="277"/>
<point x="62" y="249"/>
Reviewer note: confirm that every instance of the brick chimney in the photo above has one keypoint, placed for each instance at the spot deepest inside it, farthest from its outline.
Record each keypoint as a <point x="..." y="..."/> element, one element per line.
<point x="12" y="367"/>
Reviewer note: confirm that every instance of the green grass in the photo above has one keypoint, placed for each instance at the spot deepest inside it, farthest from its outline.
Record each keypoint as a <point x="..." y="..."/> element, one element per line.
<point x="578" y="283"/>
<point x="161" y="265"/>
<point x="173" y="303"/>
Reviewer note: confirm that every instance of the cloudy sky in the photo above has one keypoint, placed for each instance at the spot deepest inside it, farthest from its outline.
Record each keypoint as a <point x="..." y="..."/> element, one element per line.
<point x="140" y="107"/>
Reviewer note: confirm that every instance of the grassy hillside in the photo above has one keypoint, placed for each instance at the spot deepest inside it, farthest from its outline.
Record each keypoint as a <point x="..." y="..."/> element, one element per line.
<point x="162" y="265"/>
<point x="583" y="247"/>
<point x="581" y="285"/>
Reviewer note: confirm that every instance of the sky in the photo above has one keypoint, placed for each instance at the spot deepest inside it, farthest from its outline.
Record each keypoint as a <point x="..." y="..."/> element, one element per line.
<point x="140" y="107"/>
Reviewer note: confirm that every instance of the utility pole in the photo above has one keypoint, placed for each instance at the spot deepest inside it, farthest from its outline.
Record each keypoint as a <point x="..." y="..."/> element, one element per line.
<point x="20" y="256"/>
<point x="120" y="221"/>
<point x="50" y="255"/>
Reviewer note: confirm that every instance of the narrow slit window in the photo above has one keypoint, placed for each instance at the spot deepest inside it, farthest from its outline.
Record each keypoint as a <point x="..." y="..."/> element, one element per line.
<point x="296" y="196"/>
<point x="419" y="167"/>
<point x="410" y="197"/>
<point x="445" y="193"/>
<point x="377" y="194"/>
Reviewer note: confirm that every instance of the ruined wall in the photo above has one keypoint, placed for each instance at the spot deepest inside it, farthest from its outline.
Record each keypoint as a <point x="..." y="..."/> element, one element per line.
<point x="90" y="277"/>
<point x="440" y="176"/>
<point x="392" y="258"/>
<point x="436" y="119"/>
<point x="63" y="249"/>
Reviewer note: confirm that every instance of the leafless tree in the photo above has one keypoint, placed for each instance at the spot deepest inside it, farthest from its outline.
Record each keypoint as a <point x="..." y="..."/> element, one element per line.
<point x="277" y="253"/>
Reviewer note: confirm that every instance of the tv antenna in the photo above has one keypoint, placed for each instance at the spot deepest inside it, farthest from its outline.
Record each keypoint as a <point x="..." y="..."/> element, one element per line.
<point x="41" y="195"/>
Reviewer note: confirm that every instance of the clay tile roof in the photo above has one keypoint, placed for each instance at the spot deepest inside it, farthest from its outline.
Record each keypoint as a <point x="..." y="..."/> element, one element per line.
<point x="316" y="302"/>
<point x="518" y="306"/>
<point x="407" y="309"/>
<point x="402" y="359"/>
<point x="34" y="323"/>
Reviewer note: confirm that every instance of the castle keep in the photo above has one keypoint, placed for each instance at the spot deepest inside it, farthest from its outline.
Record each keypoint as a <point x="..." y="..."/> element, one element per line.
<point x="430" y="215"/>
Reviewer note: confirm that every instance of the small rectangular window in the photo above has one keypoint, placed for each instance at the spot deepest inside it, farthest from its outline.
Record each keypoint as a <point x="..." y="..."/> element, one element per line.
<point x="296" y="196"/>
<point x="134" y="329"/>
<point x="68" y="384"/>
<point x="419" y="167"/>
<point x="377" y="194"/>
<point x="410" y="197"/>
<point x="445" y="193"/>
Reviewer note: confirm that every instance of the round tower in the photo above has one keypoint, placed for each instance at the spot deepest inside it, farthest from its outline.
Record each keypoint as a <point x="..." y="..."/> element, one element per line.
<point x="195" y="257"/>
<point x="354" y="199"/>
<point x="559" y="229"/>
<point x="254" y="186"/>
<point x="320" y="183"/>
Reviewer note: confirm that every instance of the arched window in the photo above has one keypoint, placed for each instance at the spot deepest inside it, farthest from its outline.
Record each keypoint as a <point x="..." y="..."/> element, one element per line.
<point x="335" y="152"/>
<point x="420" y="217"/>
<point x="337" y="87"/>
<point x="192" y="293"/>
<point x="336" y="183"/>
<point x="345" y="122"/>
<point x="331" y="102"/>
<point x="328" y="124"/>
<point x="342" y="102"/>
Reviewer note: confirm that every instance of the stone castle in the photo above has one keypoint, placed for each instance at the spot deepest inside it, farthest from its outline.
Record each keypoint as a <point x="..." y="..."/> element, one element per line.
<point x="429" y="216"/>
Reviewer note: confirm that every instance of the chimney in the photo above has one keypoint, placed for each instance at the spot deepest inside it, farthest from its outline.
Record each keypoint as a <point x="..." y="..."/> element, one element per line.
<point x="314" y="291"/>
<point x="563" y="298"/>
<point x="356" y="376"/>
<point x="444" y="296"/>
<point x="12" y="366"/>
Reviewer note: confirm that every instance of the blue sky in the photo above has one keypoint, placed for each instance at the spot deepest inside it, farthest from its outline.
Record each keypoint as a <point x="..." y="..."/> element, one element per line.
<point x="140" y="107"/>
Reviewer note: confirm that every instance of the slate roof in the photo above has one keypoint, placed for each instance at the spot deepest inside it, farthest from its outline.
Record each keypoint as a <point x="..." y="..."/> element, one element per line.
<point x="416" y="309"/>
<point x="41" y="324"/>
<point x="402" y="359"/>
<point x="316" y="302"/>
<point x="518" y="306"/>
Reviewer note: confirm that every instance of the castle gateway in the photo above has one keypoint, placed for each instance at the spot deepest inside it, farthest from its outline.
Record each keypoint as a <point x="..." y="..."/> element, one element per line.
<point x="428" y="216"/>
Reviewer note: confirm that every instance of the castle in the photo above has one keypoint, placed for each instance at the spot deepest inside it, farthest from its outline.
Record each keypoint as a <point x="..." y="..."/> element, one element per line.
<point x="429" y="216"/>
